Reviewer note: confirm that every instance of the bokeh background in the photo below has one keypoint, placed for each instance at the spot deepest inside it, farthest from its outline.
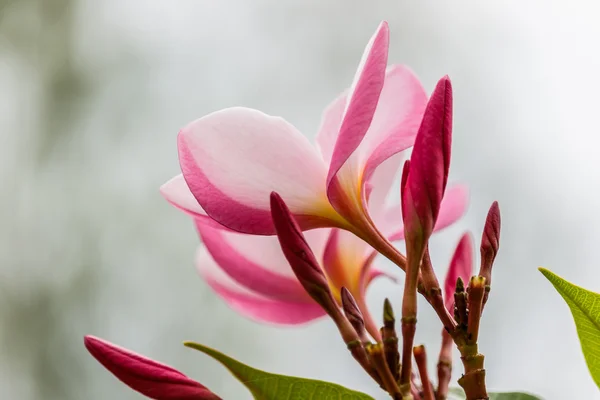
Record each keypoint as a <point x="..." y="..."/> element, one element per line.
<point x="92" y="94"/>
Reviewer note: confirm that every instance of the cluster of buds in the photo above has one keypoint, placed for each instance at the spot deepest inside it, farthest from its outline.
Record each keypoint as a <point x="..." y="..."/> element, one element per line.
<point x="459" y="308"/>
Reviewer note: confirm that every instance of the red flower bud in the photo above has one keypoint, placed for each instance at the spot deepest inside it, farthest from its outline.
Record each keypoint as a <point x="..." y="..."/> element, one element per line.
<point x="148" y="377"/>
<point x="300" y="256"/>
<point x="429" y="165"/>
<point x="490" y="242"/>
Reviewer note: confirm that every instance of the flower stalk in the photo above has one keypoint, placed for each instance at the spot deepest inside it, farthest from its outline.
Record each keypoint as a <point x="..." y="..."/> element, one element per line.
<point x="421" y="361"/>
<point x="390" y="340"/>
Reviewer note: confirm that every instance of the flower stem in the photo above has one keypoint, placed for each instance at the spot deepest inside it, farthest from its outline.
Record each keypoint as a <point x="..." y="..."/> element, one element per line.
<point x="421" y="361"/>
<point x="444" y="366"/>
<point x="433" y="293"/>
<point x="378" y="359"/>
<point x="473" y="380"/>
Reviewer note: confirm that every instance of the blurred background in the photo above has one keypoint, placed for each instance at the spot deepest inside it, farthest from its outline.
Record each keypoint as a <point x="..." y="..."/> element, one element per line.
<point x="93" y="94"/>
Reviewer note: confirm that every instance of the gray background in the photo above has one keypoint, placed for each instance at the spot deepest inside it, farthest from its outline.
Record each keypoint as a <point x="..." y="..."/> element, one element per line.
<point x="94" y="92"/>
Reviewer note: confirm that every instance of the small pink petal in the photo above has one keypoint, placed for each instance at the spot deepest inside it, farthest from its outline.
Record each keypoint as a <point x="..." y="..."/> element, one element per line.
<point x="380" y="183"/>
<point x="460" y="266"/>
<point x="454" y="206"/>
<point x="234" y="158"/>
<point x="377" y="273"/>
<point x="251" y="304"/>
<point x="362" y="99"/>
<point x="148" y="377"/>
<point x="176" y="192"/>
<point x="330" y="126"/>
<point x="234" y="253"/>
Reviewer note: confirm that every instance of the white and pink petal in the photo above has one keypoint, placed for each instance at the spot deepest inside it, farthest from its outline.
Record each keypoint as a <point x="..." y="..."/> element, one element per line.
<point x="176" y="192"/>
<point x="234" y="158"/>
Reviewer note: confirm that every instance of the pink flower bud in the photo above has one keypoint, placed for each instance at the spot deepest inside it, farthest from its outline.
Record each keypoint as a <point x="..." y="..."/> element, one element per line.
<point x="490" y="242"/>
<point x="429" y="165"/>
<point x="299" y="255"/>
<point x="353" y="314"/>
<point x="148" y="377"/>
<point x="461" y="266"/>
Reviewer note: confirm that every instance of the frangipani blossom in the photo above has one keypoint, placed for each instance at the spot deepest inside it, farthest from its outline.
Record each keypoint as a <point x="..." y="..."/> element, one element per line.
<point x="252" y="275"/>
<point x="234" y="158"/>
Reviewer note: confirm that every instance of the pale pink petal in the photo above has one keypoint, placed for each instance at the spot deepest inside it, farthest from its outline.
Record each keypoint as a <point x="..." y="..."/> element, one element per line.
<point x="251" y="304"/>
<point x="453" y="207"/>
<point x="238" y="255"/>
<point x="381" y="182"/>
<point x="461" y="266"/>
<point x="362" y="99"/>
<point x="377" y="273"/>
<point x="176" y="192"/>
<point x="396" y="120"/>
<point x="330" y="126"/>
<point x="263" y="310"/>
<point x="234" y="158"/>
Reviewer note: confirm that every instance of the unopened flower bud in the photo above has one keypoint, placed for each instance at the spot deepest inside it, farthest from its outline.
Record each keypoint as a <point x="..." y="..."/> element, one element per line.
<point x="490" y="242"/>
<point x="429" y="165"/>
<point x="148" y="377"/>
<point x="300" y="256"/>
<point x="354" y="315"/>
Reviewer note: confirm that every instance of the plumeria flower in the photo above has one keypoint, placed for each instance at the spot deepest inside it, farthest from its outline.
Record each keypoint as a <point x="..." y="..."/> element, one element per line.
<point x="234" y="158"/>
<point x="253" y="277"/>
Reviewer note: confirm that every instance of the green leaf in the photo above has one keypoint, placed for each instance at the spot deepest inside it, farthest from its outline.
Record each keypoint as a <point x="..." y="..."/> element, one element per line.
<point x="585" y="307"/>
<point x="459" y="394"/>
<point x="267" y="386"/>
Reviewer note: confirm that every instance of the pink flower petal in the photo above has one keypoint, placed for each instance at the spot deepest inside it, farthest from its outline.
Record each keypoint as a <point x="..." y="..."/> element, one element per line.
<point x="264" y="310"/>
<point x="453" y="207"/>
<point x="379" y="185"/>
<point x="234" y="158"/>
<point x="377" y="273"/>
<point x="176" y="192"/>
<point x="238" y="255"/>
<point x="460" y="266"/>
<point x="396" y="121"/>
<point x="394" y="125"/>
<point x="362" y="99"/>
<point x="250" y="304"/>
<point x="330" y="126"/>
